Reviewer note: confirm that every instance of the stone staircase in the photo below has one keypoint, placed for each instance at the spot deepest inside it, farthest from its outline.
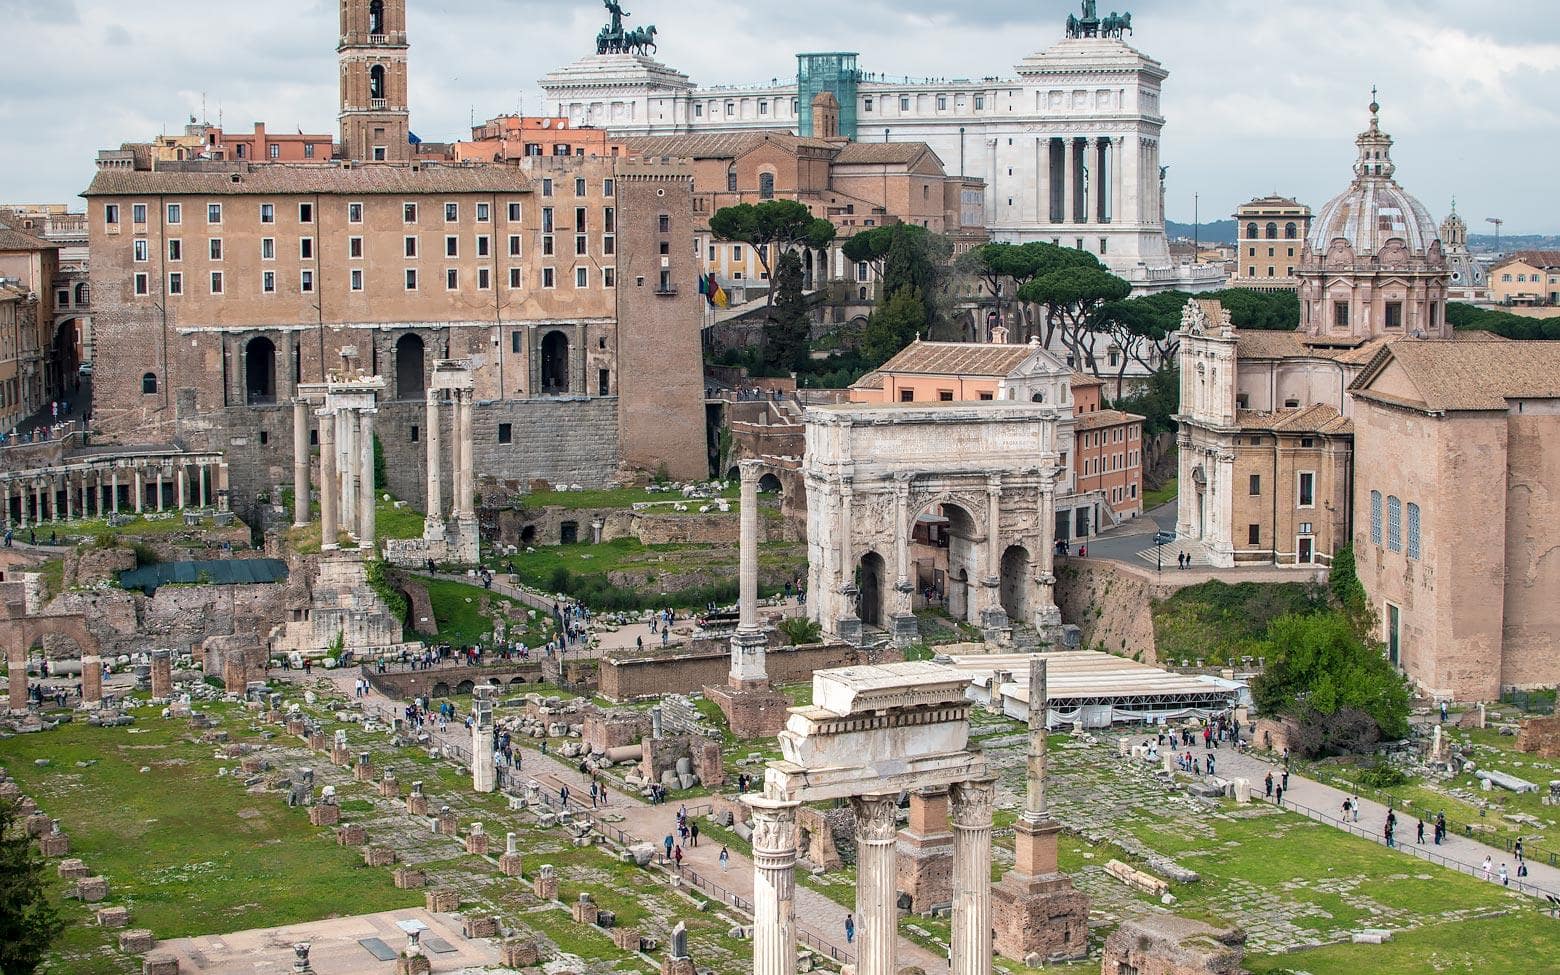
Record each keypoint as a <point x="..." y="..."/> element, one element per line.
<point x="1188" y="546"/>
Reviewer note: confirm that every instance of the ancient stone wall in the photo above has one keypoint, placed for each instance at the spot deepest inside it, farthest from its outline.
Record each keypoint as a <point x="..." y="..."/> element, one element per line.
<point x="1163" y="944"/>
<point x="1540" y="736"/>
<point x="1111" y="605"/>
<point x="628" y="678"/>
<point x="176" y="617"/>
<point x="514" y="678"/>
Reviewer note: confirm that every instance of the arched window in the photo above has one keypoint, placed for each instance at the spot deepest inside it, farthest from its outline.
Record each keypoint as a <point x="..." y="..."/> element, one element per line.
<point x="1290" y="230"/>
<point x="1272" y="231"/>
<point x="1394" y="524"/>
<point x="555" y="363"/>
<point x="766" y="186"/>
<point x="376" y="82"/>
<point x="376" y="17"/>
<point x="731" y="180"/>
<point x="1251" y="231"/>
<point x="1038" y="397"/>
<point x="1413" y="530"/>
<point x="260" y="371"/>
<point x="82" y="293"/>
<point x="149" y="383"/>
<point x="409" y="358"/>
<point x="1375" y="517"/>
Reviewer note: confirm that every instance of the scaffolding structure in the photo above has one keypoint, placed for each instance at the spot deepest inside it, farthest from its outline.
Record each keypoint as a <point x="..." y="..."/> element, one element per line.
<point x="834" y="72"/>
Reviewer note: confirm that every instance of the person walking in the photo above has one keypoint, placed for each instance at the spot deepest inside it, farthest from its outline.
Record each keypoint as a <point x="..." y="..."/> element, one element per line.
<point x="1486" y="868"/>
<point x="1356" y="801"/>
<point x="677" y="856"/>
<point x="1505" y="878"/>
<point x="1285" y="784"/>
<point x="725" y="859"/>
<point x="1420" y="834"/>
<point x="850" y="929"/>
<point x="693" y="832"/>
<point x="668" y="842"/>
<point x="1346" y="804"/>
<point x="1280" y="797"/>
<point x="1269" y="783"/>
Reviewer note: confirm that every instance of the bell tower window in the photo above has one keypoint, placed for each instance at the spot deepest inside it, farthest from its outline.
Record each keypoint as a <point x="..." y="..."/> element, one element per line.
<point x="376" y="82"/>
<point x="376" y="17"/>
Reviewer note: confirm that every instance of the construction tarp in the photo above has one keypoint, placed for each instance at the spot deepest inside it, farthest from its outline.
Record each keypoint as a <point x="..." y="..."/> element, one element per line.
<point x="224" y="572"/>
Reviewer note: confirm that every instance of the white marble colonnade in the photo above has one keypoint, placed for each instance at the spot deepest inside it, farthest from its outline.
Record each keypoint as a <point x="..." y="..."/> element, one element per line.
<point x="99" y="488"/>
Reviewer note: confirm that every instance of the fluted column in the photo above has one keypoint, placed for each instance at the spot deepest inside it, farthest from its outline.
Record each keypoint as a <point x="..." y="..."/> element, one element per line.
<point x="300" y="463"/>
<point x="200" y="474"/>
<point x="467" y="468"/>
<point x="346" y="431"/>
<point x="70" y="499"/>
<point x="1070" y="178"/>
<point x="435" y="507"/>
<point x="159" y="490"/>
<point x="330" y="494"/>
<point x="366" y="472"/>
<point x="774" y="885"/>
<point x="181" y="473"/>
<point x="971" y="819"/>
<point x="1045" y="606"/>
<point x="877" y="910"/>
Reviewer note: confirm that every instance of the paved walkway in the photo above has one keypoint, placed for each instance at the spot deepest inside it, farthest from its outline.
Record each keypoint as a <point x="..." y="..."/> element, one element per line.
<point x="1325" y="804"/>
<point x="820" y="921"/>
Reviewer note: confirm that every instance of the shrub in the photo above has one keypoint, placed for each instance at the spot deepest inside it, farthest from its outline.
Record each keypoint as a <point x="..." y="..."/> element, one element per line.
<point x="1383" y="776"/>
<point x="1319" y="668"/>
<point x="799" y="631"/>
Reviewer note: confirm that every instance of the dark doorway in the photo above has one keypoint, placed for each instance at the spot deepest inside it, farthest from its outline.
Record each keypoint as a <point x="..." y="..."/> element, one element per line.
<point x="1015" y="583"/>
<point x="409" y="359"/>
<point x="555" y="363"/>
<point x="260" y="371"/>
<point x="870" y="583"/>
<point x="569" y="533"/>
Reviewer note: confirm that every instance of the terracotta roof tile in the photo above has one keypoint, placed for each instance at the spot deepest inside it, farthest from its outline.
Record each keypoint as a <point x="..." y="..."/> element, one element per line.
<point x="881" y="152"/>
<point x="718" y="145"/>
<point x="1548" y="260"/>
<point x="958" y="359"/>
<point x="1316" y="418"/>
<point x="305" y="179"/>
<point x="1105" y="418"/>
<point x="1469" y="375"/>
<point x="16" y="240"/>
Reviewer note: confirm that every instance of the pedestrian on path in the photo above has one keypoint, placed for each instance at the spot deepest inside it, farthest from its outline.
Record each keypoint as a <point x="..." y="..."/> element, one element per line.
<point x="677" y="855"/>
<point x="1486" y="867"/>
<point x="1421" y="833"/>
<point x="1280" y="798"/>
<point x="1285" y="784"/>
<point x="1505" y="879"/>
<point x="725" y="859"/>
<point x="850" y="929"/>
<point x="693" y="831"/>
<point x="1269" y="783"/>
<point x="1356" y="801"/>
<point x="668" y="843"/>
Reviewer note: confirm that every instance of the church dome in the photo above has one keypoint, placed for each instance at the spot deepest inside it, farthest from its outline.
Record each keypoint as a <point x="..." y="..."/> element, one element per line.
<point x="1374" y="209"/>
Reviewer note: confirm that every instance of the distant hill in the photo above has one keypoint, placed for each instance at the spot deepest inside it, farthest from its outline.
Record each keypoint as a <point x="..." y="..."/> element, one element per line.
<point x="1217" y="232"/>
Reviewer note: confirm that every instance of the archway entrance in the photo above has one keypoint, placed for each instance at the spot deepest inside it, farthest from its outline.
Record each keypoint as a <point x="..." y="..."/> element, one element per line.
<point x="954" y="539"/>
<point x="260" y="371"/>
<point x="64" y="358"/>
<point x="1015" y="583"/>
<point x="555" y="363"/>
<point x="959" y="594"/>
<point x="409" y="360"/>
<point x="869" y="582"/>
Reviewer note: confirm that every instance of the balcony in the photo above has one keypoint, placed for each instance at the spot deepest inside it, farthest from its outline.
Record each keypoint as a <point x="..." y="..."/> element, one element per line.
<point x="379" y="103"/>
<point x="378" y="38"/>
<point x="667" y="290"/>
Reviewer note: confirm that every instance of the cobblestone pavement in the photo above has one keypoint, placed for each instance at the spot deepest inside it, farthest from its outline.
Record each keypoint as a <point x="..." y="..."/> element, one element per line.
<point x="816" y="915"/>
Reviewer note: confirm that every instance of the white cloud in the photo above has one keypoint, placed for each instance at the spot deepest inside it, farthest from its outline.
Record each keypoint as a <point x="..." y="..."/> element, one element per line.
<point x="1262" y="96"/>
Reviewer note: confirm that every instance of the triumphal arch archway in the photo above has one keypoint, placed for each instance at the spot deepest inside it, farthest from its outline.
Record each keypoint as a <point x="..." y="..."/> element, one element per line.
<point x="973" y="483"/>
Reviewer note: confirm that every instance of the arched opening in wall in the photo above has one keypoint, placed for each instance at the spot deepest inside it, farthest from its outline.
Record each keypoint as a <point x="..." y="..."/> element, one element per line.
<point x="734" y="475"/>
<point x="945" y="547"/>
<point x="517" y="681"/>
<point x="376" y="17"/>
<point x="1014" y="589"/>
<point x="959" y="594"/>
<point x="555" y="363"/>
<point x="260" y="371"/>
<point x="149" y="383"/>
<point x="465" y="687"/>
<point x="766" y="186"/>
<point x="770" y="484"/>
<point x="410" y="356"/>
<point x="441" y="689"/>
<point x="64" y="357"/>
<point x="376" y="82"/>
<point x="528" y="536"/>
<point x="870" y="588"/>
<point x="1272" y="231"/>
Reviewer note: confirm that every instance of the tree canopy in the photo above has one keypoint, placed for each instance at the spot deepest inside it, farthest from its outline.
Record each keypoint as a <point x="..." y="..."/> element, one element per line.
<point x="1072" y="297"/>
<point x="786" y="332"/>
<point x="29" y="923"/>
<point x="894" y="325"/>
<point x="772" y="225"/>
<point x="1319" y="665"/>
<point x="1467" y="318"/>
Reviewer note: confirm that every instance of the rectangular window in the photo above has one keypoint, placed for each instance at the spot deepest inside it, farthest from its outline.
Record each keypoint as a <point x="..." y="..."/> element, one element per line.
<point x="451" y="279"/>
<point x="452" y="247"/>
<point x="408" y="213"/>
<point x="1253" y="534"/>
<point x="547" y="220"/>
<point x="608" y="278"/>
<point x="484" y="212"/>
<point x="1307" y="489"/>
<point x="736" y="253"/>
<point x="608" y="187"/>
<point x="268" y="248"/>
<point x="904" y="103"/>
<point x="579" y="186"/>
<point x="306" y="282"/>
<point x="111" y="214"/>
<point x="138" y="213"/>
<point x="175" y="283"/>
<point x="1256" y="485"/>
<point x="411" y="279"/>
<point x="354" y="213"/>
<point x="1394" y="314"/>
<point x="355" y="248"/>
<point x="410" y="245"/>
<point x="609" y="219"/>
<point x="1375" y="517"/>
<point x="268" y="282"/>
<point x="980" y="103"/>
<point x="514" y="245"/>
<point x="175" y="250"/>
<point x="580" y="247"/>
<point x="608" y="245"/>
<point x="547" y="187"/>
<point x="581" y="277"/>
<point x="664" y="223"/>
<point x="141" y="250"/>
<point x="547" y="245"/>
<point x="305" y="213"/>
<point x="415" y="433"/>
<point x="514" y="213"/>
<point x="945" y="395"/>
<point x="1413" y="531"/>
<point x="142" y="283"/>
<point x="216" y="282"/>
<point x="514" y="281"/>
<point x="514" y="342"/>
<point x="267" y="213"/>
<point x="579" y="218"/>
<point x="547" y="277"/>
<point x="506" y="433"/>
<point x="175" y="213"/>
<point x="1341" y="314"/>
<point x="357" y="279"/>
<point x="305" y="248"/>
<point x="484" y="245"/>
<point x="1394" y="524"/>
<point x="451" y="212"/>
<point x="484" y="279"/>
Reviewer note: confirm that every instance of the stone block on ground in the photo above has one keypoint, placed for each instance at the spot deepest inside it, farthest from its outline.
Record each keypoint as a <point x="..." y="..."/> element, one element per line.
<point x="510" y="864"/>
<point x="92" y="889"/>
<point x="484" y="926"/>
<point x="442" y="900"/>
<point x="627" y="939"/>
<point x="521" y="953"/>
<point x="113" y="917"/>
<point x="378" y="856"/>
<point x="137" y="941"/>
<point x="324" y="814"/>
<point x="160" y="965"/>
<point x="409" y="878"/>
<point x="74" y="869"/>
<point x="352" y="834"/>
<point x="54" y="844"/>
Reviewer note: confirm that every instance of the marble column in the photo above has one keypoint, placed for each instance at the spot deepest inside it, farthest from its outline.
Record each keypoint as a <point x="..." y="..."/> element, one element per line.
<point x="6" y="517"/>
<point x="1043" y="179"/>
<point x="70" y="497"/>
<point x="435" y="507"/>
<point x="113" y="486"/>
<point x="468" y="478"/>
<point x="366" y="472"/>
<point x="1046" y="611"/>
<point x="877" y="910"/>
<point x="748" y="557"/>
<point x="200" y="473"/>
<point x="774" y="885"/>
<point x="1070" y="178"/>
<point x="484" y="774"/>
<point x="140" y="491"/>
<point x="1088" y="179"/>
<point x="300" y="463"/>
<point x="181" y="474"/>
<point x="993" y="528"/>
<point x="971" y="819"/>
<point x="159" y="487"/>
<point x="346" y="449"/>
<point x="330" y="492"/>
<point x="1118" y="152"/>
<point x="455" y="454"/>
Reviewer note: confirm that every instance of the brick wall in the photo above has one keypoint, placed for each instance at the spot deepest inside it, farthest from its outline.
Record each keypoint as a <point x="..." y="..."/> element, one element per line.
<point x="707" y="663"/>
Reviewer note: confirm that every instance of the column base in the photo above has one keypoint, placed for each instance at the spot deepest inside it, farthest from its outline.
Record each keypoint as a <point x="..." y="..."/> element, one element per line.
<point x="464" y="546"/>
<point x="752" y="708"/>
<point x="849" y="630"/>
<point x="906" y="630"/>
<point x="1039" y="919"/>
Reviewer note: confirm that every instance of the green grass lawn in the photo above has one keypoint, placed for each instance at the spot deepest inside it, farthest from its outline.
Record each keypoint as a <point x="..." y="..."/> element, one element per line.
<point x="1164" y="494"/>
<point x="393" y="522"/>
<point x="189" y="852"/>
<point x="610" y="498"/>
<point x="1521" y="943"/>
<point x="457" y="609"/>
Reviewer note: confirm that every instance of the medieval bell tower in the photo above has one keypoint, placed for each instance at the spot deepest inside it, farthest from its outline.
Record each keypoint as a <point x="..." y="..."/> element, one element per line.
<point x="375" y="121"/>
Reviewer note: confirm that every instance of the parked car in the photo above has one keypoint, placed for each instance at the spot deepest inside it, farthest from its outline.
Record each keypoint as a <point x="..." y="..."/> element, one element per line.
<point x="86" y="370"/>
<point x="1163" y="537"/>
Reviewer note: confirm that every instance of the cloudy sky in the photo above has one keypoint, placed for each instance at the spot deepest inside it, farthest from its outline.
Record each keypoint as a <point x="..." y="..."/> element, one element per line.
<point x="1262" y="95"/>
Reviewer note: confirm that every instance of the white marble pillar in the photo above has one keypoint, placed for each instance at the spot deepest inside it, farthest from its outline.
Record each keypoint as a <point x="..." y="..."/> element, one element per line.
<point x="114" y="489"/>
<point x="300" y="463"/>
<point x="86" y="512"/>
<point x="1088" y="178"/>
<point x="346" y="449"/>
<point x="1045" y="559"/>
<point x="181" y="474"/>
<point x="748" y="547"/>
<point x="200" y="473"/>
<point x="877" y="910"/>
<point x="970" y="816"/>
<point x="435" y="505"/>
<point x="468" y="509"/>
<point x="1117" y="154"/>
<point x="774" y="885"/>
<point x="1070" y="178"/>
<point x="484" y="773"/>
<point x="455" y="456"/>
<point x="330" y="492"/>
<point x="1043" y="180"/>
<point x="993" y="527"/>
<point x="159" y="470"/>
<point x="140" y="491"/>
<point x="70" y="500"/>
<point x="366" y="472"/>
